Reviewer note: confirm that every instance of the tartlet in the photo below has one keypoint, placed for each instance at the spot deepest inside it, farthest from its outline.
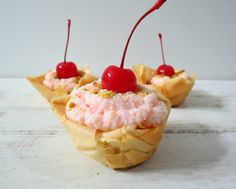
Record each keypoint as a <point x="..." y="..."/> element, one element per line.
<point x="175" y="88"/>
<point x="120" y="145"/>
<point x="63" y="86"/>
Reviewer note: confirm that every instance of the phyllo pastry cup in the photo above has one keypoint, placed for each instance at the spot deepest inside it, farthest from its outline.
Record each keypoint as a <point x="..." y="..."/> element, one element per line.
<point x="175" y="88"/>
<point x="119" y="148"/>
<point x="85" y="77"/>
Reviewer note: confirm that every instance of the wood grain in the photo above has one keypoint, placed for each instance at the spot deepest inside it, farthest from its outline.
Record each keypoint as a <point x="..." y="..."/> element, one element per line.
<point x="197" y="151"/>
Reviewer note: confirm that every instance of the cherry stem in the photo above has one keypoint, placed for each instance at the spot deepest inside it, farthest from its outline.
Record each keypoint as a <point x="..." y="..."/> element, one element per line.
<point x="157" y="5"/>
<point x="162" y="49"/>
<point x="68" y="38"/>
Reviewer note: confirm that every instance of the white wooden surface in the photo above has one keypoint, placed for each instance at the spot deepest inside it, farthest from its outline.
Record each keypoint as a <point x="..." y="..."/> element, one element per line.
<point x="197" y="151"/>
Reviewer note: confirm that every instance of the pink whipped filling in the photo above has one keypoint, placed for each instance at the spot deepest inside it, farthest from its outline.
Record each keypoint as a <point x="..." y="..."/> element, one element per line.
<point x="52" y="82"/>
<point x="128" y="109"/>
<point x="160" y="80"/>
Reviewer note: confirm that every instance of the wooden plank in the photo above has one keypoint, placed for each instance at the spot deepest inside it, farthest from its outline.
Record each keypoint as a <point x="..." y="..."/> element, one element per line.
<point x="211" y="107"/>
<point x="49" y="160"/>
<point x="198" y="150"/>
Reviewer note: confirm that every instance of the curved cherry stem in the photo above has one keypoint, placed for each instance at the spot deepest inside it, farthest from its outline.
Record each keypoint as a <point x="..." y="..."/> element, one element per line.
<point x="68" y="38"/>
<point x="162" y="49"/>
<point x="157" y="5"/>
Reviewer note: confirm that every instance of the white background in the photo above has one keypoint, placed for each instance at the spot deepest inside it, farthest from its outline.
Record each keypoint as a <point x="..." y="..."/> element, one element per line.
<point x="199" y="36"/>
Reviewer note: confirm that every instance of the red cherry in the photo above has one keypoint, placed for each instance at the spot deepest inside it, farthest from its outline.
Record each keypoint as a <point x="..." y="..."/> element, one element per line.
<point x="120" y="79"/>
<point x="66" y="69"/>
<point x="164" y="69"/>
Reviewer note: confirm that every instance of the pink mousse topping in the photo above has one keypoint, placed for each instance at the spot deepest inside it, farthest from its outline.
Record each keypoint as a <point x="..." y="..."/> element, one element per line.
<point x="52" y="82"/>
<point x="160" y="79"/>
<point x="89" y="108"/>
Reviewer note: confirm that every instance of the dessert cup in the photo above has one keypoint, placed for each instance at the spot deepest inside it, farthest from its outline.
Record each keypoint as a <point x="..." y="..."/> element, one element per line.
<point x="85" y="77"/>
<point x="119" y="148"/>
<point x="176" y="88"/>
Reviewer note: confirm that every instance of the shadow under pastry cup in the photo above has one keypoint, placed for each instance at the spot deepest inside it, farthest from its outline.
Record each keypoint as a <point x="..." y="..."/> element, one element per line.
<point x="176" y="89"/>
<point x="119" y="148"/>
<point x="37" y="82"/>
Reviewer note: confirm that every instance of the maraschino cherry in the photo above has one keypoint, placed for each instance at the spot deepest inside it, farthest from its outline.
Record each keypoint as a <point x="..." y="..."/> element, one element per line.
<point x="122" y="80"/>
<point x="66" y="69"/>
<point x="164" y="69"/>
